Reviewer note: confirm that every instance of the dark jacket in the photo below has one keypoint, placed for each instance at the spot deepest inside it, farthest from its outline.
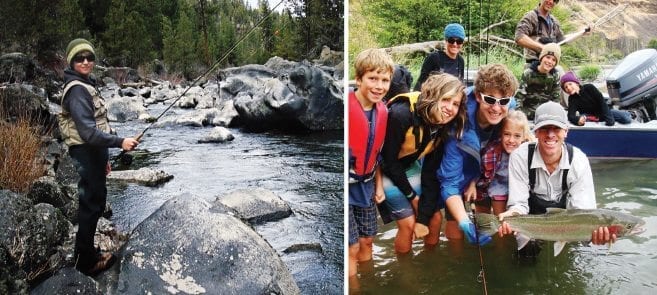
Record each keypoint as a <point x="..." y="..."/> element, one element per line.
<point x="79" y="103"/>
<point x="589" y="101"/>
<point x="402" y="148"/>
<point x="439" y="62"/>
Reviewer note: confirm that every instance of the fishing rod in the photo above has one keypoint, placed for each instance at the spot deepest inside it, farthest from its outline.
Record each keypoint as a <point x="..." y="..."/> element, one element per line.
<point x="481" y="278"/>
<point x="603" y="19"/>
<point x="121" y="156"/>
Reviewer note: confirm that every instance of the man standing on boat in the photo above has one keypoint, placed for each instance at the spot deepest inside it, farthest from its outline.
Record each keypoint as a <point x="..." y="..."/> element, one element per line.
<point x="537" y="28"/>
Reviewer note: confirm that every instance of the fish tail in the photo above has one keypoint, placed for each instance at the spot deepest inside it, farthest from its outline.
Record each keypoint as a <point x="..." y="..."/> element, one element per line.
<point x="487" y="223"/>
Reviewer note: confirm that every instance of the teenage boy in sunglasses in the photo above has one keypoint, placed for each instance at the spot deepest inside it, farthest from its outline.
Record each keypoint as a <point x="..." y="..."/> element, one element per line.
<point x="448" y="60"/>
<point x="85" y="129"/>
<point x="540" y="81"/>
<point x="488" y="102"/>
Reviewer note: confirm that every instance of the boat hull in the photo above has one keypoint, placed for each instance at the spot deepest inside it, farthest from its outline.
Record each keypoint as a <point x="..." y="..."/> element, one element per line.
<point x="636" y="140"/>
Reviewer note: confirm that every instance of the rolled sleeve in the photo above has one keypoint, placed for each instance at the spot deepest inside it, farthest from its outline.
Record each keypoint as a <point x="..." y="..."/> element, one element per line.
<point x="519" y="180"/>
<point x="580" y="178"/>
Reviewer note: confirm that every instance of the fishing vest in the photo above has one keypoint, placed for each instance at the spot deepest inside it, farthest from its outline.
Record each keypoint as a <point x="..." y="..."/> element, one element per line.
<point x="416" y="143"/>
<point x="365" y="139"/>
<point x="67" y="126"/>
<point x="536" y="204"/>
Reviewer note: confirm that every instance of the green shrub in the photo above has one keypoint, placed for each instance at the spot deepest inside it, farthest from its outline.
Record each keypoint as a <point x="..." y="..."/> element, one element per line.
<point x="589" y="72"/>
<point x="615" y="55"/>
<point x="652" y="43"/>
<point x="573" y="55"/>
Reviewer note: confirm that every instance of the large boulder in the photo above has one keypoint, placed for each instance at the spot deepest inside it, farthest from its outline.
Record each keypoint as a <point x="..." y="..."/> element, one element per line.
<point x="217" y="135"/>
<point x="191" y="247"/>
<point x="67" y="281"/>
<point x="126" y="109"/>
<point x="31" y="234"/>
<point x="21" y="100"/>
<point x="256" y="205"/>
<point x="295" y="97"/>
<point x="144" y="176"/>
<point x="47" y="190"/>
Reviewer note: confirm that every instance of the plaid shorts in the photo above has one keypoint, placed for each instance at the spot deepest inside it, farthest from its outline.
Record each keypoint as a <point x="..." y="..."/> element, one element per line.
<point x="362" y="222"/>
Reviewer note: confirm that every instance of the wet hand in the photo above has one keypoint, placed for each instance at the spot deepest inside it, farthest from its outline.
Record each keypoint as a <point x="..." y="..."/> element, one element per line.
<point x="504" y="229"/>
<point x="469" y="230"/>
<point x="602" y="236"/>
<point x="108" y="168"/>
<point x="129" y="144"/>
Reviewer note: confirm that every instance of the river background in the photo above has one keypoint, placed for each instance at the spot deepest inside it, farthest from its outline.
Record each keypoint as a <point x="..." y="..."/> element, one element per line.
<point x="306" y="171"/>
<point x="629" y="267"/>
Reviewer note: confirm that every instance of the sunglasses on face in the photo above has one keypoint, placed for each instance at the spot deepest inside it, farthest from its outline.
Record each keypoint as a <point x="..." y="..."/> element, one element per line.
<point x="452" y="40"/>
<point x="492" y="100"/>
<point x="80" y="58"/>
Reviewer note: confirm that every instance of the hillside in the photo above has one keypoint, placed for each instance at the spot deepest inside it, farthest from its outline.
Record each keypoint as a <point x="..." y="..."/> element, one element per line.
<point x="636" y="22"/>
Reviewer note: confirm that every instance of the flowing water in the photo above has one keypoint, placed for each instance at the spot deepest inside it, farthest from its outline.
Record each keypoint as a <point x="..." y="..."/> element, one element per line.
<point x="629" y="267"/>
<point x="304" y="170"/>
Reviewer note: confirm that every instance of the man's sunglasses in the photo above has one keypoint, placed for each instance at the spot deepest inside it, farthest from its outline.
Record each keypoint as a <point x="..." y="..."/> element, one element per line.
<point x="492" y="100"/>
<point x="458" y="41"/>
<point x="80" y="58"/>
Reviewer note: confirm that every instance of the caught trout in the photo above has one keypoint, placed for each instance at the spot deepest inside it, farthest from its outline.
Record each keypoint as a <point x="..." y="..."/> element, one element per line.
<point x="561" y="225"/>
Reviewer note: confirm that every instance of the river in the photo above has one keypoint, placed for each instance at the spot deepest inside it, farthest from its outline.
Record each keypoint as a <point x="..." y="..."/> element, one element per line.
<point x="629" y="267"/>
<point x="304" y="170"/>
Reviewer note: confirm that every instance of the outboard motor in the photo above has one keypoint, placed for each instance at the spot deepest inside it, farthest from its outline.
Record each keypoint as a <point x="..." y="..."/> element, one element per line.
<point x="632" y="85"/>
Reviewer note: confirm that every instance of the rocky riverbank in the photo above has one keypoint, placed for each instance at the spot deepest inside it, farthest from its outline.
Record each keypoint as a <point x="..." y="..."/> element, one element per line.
<point x="36" y="251"/>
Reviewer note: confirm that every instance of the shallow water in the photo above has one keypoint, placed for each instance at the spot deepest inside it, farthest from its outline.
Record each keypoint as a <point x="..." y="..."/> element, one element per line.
<point x="629" y="267"/>
<point x="304" y="170"/>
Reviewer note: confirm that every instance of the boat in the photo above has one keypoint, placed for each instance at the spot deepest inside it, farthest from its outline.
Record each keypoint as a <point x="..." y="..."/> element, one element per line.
<point x="631" y="141"/>
<point x="632" y="86"/>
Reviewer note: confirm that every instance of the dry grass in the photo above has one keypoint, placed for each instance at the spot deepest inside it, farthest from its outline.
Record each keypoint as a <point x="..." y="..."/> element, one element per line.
<point x="20" y="156"/>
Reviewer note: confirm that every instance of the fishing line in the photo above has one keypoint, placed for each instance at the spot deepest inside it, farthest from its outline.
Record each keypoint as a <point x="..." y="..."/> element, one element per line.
<point x="481" y="278"/>
<point x="212" y="68"/>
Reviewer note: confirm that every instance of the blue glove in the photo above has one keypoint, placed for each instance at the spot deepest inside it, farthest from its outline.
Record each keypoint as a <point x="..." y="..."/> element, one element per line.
<point x="468" y="229"/>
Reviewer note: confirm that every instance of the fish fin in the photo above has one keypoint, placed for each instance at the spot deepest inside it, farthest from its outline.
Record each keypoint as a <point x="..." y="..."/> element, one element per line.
<point x="522" y="240"/>
<point x="558" y="247"/>
<point x="487" y="223"/>
<point x="554" y="210"/>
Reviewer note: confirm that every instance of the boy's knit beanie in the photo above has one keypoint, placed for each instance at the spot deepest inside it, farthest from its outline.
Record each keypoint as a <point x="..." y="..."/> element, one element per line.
<point x="551" y="49"/>
<point x="76" y="46"/>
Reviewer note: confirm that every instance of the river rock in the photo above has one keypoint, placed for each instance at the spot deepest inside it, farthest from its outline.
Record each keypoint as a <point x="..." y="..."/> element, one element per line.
<point x="187" y="246"/>
<point x="256" y="205"/>
<point x="26" y="100"/>
<point x="47" y="190"/>
<point x="143" y="176"/>
<point x="123" y="109"/>
<point x="294" y="97"/>
<point x="67" y="281"/>
<point x="317" y="247"/>
<point x="31" y="234"/>
<point x="217" y="134"/>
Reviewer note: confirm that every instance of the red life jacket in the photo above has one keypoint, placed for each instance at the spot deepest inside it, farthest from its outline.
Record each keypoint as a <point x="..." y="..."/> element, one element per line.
<point x="365" y="141"/>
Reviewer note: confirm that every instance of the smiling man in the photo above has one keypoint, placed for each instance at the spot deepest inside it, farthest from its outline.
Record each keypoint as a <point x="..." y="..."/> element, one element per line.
<point x="550" y="174"/>
<point x="537" y="28"/>
<point x="487" y="104"/>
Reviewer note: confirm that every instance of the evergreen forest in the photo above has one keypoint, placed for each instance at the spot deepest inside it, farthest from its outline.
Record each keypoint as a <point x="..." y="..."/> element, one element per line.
<point x="187" y="35"/>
